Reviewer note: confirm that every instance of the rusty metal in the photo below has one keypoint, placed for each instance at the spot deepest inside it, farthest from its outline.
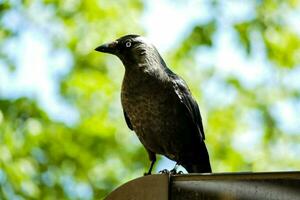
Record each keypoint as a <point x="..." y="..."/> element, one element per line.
<point x="225" y="186"/>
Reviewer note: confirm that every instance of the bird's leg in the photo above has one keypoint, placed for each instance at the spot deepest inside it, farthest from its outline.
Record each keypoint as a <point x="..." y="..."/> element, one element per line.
<point x="150" y="169"/>
<point x="174" y="170"/>
<point x="152" y="158"/>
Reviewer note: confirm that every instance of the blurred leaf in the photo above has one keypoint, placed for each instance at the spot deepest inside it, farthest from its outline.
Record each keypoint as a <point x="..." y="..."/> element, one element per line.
<point x="41" y="158"/>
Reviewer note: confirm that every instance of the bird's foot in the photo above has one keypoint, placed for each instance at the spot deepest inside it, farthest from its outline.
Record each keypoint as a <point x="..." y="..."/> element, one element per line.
<point x="164" y="171"/>
<point x="147" y="174"/>
<point x="174" y="172"/>
<point x="171" y="172"/>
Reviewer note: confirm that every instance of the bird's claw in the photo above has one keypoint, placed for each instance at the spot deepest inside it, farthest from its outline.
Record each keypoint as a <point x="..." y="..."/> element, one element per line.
<point x="164" y="171"/>
<point x="171" y="172"/>
<point x="174" y="172"/>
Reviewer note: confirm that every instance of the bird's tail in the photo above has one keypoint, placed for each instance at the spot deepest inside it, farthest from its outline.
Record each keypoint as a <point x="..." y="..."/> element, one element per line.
<point x="200" y="165"/>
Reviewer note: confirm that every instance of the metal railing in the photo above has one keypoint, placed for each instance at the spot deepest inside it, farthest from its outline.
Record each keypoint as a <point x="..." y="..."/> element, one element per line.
<point x="225" y="186"/>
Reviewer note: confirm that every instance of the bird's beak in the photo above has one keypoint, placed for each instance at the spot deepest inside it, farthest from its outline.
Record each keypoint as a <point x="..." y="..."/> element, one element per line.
<point x="108" y="47"/>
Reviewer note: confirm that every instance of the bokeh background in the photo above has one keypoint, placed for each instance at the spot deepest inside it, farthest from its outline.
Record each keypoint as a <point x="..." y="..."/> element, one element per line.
<point x="62" y="132"/>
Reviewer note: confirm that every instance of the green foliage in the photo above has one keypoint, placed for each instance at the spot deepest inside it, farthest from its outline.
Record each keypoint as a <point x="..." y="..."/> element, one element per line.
<point x="41" y="158"/>
<point x="201" y="34"/>
<point x="281" y="43"/>
<point x="44" y="159"/>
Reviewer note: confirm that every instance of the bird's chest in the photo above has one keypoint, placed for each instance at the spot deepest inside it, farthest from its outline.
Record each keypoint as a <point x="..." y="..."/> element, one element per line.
<point x="146" y="104"/>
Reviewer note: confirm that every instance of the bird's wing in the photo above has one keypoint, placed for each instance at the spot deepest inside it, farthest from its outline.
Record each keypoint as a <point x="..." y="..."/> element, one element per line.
<point x="128" y="121"/>
<point x="190" y="105"/>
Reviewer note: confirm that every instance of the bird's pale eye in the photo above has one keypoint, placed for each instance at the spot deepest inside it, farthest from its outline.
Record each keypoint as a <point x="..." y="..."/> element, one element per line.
<point x="128" y="44"/>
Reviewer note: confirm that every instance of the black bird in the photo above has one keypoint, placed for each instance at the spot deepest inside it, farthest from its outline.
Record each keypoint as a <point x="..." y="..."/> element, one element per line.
<point x="158" y="105"/>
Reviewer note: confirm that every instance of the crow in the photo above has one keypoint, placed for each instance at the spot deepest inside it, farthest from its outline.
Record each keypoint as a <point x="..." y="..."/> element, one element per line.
<point x="158" y="105"/>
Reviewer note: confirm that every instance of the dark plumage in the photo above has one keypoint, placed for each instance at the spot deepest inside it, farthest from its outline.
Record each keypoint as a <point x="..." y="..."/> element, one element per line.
<point x="159" y="106"/>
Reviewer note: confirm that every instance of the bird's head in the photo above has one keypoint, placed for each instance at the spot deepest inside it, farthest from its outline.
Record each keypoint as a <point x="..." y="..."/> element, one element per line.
<point x="131" y="49"/>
